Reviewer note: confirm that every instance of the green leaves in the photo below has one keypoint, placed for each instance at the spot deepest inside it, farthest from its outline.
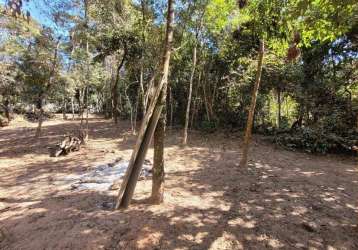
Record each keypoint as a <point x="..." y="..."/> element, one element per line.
<point x="321" y="20"/>
<point x="218" y="14"/>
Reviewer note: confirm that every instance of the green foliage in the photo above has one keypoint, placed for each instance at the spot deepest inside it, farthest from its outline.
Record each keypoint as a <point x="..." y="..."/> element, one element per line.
<point x="322" y="20"/>
<point x="318" y="92"/>
<point x="318" y="141"/>
<point x="209" y="126"/>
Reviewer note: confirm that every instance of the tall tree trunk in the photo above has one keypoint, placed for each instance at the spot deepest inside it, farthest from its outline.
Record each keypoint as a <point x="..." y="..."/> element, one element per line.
<point x="158" y="164"/>
<point x="149" y="122"/>
<point x="115" y="96"/>
<point x="142" y="92"/>
<point x="72" y="108"/>
<point x="87" y="83"/>
<point x="43" y="93"/>
<point x="195" y="105"/>
<point x="136" y="110"/>
<point x="81" y="105"/>
<point x="141" y="80"/>
<point x="64" y="108"/>
<point x="40" y="116"/>
<point x="130" y="109"/>
<point x="278" y="118"/>
<point x="85" y="139"/>
<point x="250" y="119"/>
<point x="171" y="106"/>
<point x="187" y="115"/>
<point x="206" y="103"/>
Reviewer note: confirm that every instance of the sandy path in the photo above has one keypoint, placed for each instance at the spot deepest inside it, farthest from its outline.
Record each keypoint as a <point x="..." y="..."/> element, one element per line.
<point x="284" y="199"/>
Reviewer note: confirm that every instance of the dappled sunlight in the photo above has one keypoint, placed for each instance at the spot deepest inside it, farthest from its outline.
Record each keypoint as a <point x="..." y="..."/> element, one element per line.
<point x="242" y="223"/>
<point x="210" y="203"/>
<point x="226" y="241"/>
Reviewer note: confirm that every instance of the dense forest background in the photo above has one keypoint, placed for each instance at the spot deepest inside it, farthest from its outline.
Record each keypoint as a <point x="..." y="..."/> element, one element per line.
<point x="89" y="56"/>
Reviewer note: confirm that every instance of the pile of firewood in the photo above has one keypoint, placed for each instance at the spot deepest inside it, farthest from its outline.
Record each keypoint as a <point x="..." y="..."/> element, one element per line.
<point x="67" y="145"/>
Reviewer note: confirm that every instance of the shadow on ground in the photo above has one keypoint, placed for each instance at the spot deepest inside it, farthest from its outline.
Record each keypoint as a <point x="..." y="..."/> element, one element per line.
<point x="282" y="200"/>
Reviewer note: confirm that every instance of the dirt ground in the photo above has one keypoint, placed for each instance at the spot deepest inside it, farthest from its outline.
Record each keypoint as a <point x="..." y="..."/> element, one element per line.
<point x="284" y="200"/>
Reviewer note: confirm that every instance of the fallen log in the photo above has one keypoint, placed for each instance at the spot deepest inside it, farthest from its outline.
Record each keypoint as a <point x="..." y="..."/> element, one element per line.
<point x="3" y="122"/>
<point x="67" y="145"/>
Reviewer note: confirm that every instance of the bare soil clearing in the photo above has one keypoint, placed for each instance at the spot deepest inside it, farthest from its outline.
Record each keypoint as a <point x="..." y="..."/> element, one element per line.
<point x="286" y="200"/>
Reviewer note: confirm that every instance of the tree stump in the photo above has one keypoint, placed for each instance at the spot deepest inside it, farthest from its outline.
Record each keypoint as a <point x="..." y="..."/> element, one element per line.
<point x="67" y="145"/>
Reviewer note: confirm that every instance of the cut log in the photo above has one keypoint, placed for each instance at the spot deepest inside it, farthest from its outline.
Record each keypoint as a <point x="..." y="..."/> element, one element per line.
<point x="67" y="145"/>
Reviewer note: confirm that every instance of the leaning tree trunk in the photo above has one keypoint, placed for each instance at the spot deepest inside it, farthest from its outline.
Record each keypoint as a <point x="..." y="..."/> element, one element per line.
<point x="158" y="164"/>
<point x="187" y="115"/>
<point x="149" y="122"/>
<point x="250" y="119"/>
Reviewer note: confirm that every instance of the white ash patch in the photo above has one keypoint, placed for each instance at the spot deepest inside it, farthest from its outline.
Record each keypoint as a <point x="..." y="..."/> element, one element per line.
<point x="103" y="177"/>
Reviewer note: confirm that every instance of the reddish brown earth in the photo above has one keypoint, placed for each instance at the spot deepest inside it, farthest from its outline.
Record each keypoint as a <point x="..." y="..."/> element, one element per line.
<point x="285" y="200"/>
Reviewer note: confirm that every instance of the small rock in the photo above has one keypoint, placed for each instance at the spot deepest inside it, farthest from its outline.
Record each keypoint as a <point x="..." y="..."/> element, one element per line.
<point x="310" y="226"/>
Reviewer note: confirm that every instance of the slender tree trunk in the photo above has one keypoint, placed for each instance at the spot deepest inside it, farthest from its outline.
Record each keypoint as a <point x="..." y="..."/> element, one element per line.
<point x="7" y="110"/>
<point x="79" y="100"/>
<point x="81" y="105"/>
<point x="206" y="103"/>
<point x="171" y="106"/>
<point x="130" y="108"/>
<point x="87" y="87"/>
<point x="287" y="107"/>
<point x="187" y="115"/>
<point x="87" y="112"/>
<point x="98" y="104"/>
<point x="149" y="122"/>
<point x="141" y="85"/>
<point x="115" y="95"/>
<point x="278" y="119"/>
<point x="39" y="126"/>
<point x="136" y="111"/>
<point x="72" y="108"/>
<point x="141" y="80"/>
<point x="250" y="119"/>
<point x="195" y="105"/>
<point x="115" y="99"/>
<point x="64" y="108"/>
<point x="158" y="164"/>
<point x="42" y="95"/>
<point x="40" y="116"/>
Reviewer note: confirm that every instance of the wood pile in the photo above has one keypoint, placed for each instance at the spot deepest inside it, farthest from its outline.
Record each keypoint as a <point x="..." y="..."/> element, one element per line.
<point x="67" y="145"/>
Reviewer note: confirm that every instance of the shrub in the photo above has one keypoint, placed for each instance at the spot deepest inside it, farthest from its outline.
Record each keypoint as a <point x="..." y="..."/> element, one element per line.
<point x="317" y="141"/>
